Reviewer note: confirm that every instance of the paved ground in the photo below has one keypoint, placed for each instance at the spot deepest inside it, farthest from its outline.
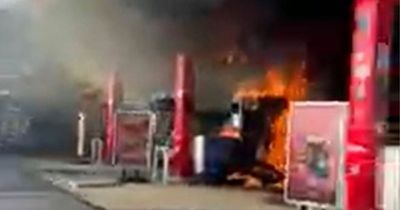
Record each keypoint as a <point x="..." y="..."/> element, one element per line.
<point x="20" y="189"/>
<point x="156" y="197"/>
<point x="178" y="197"/>
<point x="101" y="191"/>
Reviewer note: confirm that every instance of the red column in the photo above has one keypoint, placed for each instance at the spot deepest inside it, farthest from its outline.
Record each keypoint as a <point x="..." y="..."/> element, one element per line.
<point x="109" y="113"/>
<point x="184" y="91"/>
<point x="372" y="32"/>
<point x="361" y="148"/>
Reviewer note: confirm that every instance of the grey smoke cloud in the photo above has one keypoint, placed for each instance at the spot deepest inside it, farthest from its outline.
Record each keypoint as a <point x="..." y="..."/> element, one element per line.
<point x="90" y="38"/>
<point x="65" y="43"/>
<point x="139" y="38"/>
<point x="85" y="39"/>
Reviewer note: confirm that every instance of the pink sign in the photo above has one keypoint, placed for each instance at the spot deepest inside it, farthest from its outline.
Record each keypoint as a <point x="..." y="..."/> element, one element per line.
<point x="315" y="139"/>
<point x="134" y="138"/>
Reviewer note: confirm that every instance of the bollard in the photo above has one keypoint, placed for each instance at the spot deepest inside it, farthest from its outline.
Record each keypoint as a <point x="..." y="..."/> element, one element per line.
<point x="199" y="154"/>
<point x="81" y="134"/>
<point x="96" y="151"/>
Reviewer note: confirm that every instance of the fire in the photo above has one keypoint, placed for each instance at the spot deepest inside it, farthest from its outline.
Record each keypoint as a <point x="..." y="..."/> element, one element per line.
<point x="276" y="85"/>
<point x="272" y="85"/>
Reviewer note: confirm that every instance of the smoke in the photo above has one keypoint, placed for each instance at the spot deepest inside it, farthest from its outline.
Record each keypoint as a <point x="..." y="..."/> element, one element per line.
<point x="92" y="37"/>
<point x="60" y="46"/>
<point x="77" y="42"/>
<point x="140" y="38"/>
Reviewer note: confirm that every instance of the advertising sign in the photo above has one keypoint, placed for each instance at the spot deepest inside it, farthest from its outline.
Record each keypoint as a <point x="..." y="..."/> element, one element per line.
<point x="362" y="145"/>
<point x="315" y="156"/>
<point x="134" y="137"/>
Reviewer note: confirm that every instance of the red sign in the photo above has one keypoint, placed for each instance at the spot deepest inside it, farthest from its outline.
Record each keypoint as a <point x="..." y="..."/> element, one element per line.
<point x="361" y="143"/>
<point x="315" y="154"/>
<point x="134" y="134"/>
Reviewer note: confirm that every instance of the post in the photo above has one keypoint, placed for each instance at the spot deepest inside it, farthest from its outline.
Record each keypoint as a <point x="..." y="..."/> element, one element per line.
<point x="184" y="91"/>
<point x="81" y="134"/>
<point x="361" y="144"/>
<point x="109" y="118"/>
<point x="113" y="97"/>
<point x="372" y="32"/>
<point x="199" y="154"/>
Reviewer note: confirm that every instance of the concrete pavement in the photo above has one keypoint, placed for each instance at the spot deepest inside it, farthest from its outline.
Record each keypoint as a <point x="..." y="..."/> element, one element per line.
<point x="103" y="191"/>
<point x="21" y="189"/>
<point x="152" y="197"/>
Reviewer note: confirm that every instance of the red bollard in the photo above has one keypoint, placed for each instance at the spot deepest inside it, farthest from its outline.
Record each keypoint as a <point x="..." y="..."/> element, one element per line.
<point x="184" y="106"/>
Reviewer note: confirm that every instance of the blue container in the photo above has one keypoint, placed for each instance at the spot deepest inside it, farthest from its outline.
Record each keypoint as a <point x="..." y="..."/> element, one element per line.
<point x="218" y="156"/>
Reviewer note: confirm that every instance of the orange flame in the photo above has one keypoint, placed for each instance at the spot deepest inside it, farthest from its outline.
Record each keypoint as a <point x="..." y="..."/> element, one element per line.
<point x="274" y="84"/>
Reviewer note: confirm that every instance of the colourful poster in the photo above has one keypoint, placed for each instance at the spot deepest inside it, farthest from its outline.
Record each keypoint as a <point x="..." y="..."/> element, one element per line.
<point x="315" y="154"/>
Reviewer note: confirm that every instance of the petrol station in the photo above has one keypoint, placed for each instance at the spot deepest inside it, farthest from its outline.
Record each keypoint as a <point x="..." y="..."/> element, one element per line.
<point x="320" y="154"/>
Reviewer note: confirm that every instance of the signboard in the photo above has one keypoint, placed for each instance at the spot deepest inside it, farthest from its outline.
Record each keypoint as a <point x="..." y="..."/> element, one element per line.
<point x="362" y="145"/>
<point x="134" y="137"/>
<point x="315" y="156"/>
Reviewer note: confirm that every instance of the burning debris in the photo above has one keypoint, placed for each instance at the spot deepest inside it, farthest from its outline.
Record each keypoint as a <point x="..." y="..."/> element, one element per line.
<point x="287" y="88"/>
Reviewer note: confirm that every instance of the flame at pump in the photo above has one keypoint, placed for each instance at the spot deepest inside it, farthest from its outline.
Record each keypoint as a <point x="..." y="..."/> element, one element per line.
<point x="275" y="84"/>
